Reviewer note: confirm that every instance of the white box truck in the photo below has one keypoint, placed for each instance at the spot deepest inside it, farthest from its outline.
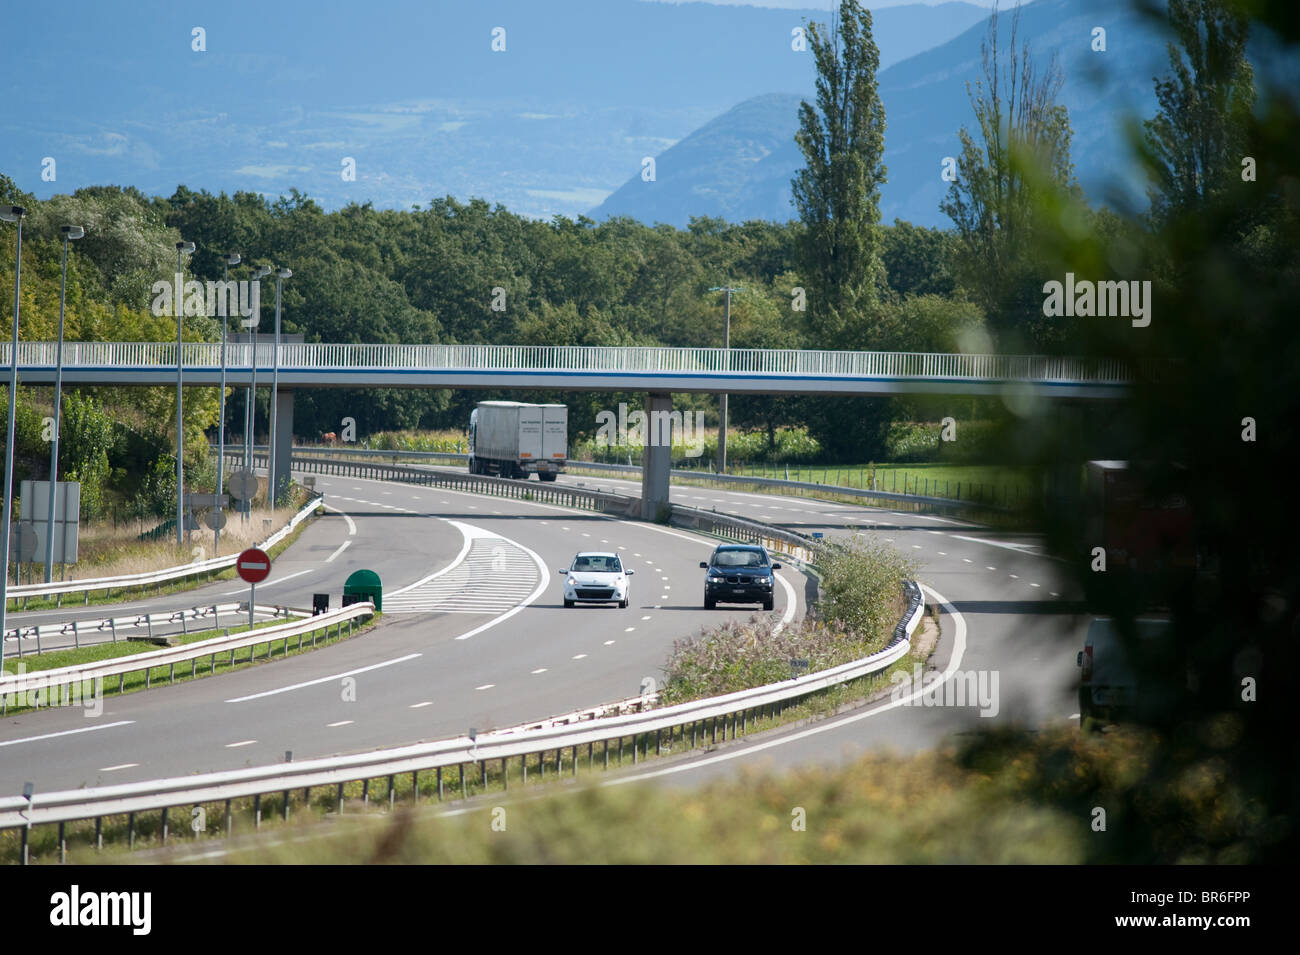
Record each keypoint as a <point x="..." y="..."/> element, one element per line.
<point x="514" y="440"/>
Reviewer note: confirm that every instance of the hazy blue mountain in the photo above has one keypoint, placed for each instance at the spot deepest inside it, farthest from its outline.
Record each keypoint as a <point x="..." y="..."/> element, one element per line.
<point x="737" y="167"/>
<point x="410" y="89"/>
<point x="739" y="164"/>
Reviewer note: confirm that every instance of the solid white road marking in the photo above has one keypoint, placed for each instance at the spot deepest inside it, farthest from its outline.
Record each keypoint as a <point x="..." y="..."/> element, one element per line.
<point x="352" y="527"/>
<point x="339" y="723"/>
<point x="341" y="548"/>
<point x="113" y="769"/>
<point x="539" y="670"/>
<point x="324" y="679"/>
<point x="790" y="604"/>
<point x="85" y="729"/>
<point x="1018" y="548"/>
<point x="416" y="706"/>
<point x="270" y="583"/>
<point x="245" y="742"/>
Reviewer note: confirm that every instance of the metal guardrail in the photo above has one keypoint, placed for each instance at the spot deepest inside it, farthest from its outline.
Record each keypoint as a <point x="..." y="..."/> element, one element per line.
<point x="210" y="566"/>
<point x="621" y="505"/>
<point x="138" y="621"/>
<point x="51" y="681"/>
<point x="131" y="798"/>
<point x="707" y="477"/>
<point x="576" y="359"/>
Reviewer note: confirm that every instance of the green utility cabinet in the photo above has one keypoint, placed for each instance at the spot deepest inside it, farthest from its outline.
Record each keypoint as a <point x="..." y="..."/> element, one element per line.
<point x="364" y="585"/>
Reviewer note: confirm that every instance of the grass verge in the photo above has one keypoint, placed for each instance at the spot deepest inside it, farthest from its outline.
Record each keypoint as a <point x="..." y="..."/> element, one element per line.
<point x="118" y="595"/>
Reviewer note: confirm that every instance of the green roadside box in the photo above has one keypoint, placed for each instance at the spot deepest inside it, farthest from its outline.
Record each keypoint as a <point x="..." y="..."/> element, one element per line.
<point x="364" y="585"/>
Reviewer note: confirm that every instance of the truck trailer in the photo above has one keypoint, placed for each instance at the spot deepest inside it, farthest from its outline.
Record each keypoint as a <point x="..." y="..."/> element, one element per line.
<point x="513" y="439"/>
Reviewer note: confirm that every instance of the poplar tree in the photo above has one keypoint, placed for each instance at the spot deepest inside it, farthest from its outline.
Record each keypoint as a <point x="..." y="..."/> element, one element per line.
<point x="837" y="193"/>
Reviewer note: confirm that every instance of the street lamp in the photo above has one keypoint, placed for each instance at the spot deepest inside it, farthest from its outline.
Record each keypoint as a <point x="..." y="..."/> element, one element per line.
<point x="261" y="272"/>
<point x="271" y="489"/>
<point x="182" y="248"/>
<point x="10" y="214"/>
<point x="232" y="258"/>
<point x="722" y="398"/>
<point x="70" y="233"/>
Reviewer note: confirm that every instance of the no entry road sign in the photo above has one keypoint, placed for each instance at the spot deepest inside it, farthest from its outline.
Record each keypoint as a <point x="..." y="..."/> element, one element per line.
<point x="253" y="565"/>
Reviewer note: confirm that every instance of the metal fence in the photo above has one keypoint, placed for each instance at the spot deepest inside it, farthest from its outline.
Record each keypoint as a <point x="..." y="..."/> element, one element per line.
<point x="578" y="359"/>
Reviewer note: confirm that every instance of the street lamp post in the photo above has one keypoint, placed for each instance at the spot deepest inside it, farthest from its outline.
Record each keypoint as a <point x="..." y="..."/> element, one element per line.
<point x="10" y="214"/>
<point x="722" y="398"/>
<point x="261" y="272"/>
<point x="232" y="258"/>
<point x="182" y="248"/>
<point x="70" y="233"/>
<point x="271" y="489"/>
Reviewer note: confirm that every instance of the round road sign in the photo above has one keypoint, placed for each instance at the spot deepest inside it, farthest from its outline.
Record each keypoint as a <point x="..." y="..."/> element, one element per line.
<point x="253" y="565"/>
<point x="243" y="484"/>
<point x="215" y="519"/>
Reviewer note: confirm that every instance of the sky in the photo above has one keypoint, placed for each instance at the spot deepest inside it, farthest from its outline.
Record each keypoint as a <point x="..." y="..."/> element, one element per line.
<point x="826" y="4"/>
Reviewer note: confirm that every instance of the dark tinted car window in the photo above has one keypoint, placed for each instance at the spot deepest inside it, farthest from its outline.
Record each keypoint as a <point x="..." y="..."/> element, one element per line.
<point x="738" y="558"/>
<point x="602" y="565"/>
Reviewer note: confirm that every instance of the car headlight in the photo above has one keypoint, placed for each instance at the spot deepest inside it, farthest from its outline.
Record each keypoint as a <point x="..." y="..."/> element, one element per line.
<point x="715" y="579"/>
<point x="765" y="580"/>
<point x="570" y="581"/>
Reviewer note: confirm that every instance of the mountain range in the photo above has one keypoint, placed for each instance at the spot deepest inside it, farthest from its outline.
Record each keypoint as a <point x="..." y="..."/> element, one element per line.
<point x="738" y="165"/>
<point x="574" y="96"/>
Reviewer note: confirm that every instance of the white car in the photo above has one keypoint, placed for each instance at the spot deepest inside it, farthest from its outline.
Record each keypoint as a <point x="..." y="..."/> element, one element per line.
<point x="597" y="577"/>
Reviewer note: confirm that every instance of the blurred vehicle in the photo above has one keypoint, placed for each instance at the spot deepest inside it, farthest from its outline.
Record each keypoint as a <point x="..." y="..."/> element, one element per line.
<point x="739" y="574"/>
<point x="1143" y="533"/>
<point x="1109" y="685"/>
<point x="597" y="577"/>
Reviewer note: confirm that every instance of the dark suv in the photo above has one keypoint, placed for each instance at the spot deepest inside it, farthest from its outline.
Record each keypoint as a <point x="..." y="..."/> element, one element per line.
<point x="738" y="574"/>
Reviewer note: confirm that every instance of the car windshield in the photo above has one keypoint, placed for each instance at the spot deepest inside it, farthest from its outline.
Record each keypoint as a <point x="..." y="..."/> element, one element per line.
<point x="597" y="564"/>
<point x="739" y="558"/>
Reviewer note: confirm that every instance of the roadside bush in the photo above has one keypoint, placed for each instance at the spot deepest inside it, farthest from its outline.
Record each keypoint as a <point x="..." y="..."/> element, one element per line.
<point x="913" y="442"/>
<point x="157" y="494"/>
<point x="738" y="655"/>
<point x="863" y="586"/>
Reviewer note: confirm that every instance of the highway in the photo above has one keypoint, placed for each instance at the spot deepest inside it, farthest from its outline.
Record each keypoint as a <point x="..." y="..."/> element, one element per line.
<point x="442" y="661"/>
<point x="1019" y="618"/>
<point x="475" y="635"/>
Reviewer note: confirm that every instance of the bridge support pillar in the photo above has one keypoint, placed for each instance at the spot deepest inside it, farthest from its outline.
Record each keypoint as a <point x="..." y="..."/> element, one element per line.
<point x="283" y="438"/>
<point x="656" y="458"/>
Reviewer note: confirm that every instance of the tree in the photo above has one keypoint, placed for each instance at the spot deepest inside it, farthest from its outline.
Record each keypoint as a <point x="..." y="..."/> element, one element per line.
<point x="86" y="439"/>
<point x="1195" y="143"/>
<point x="837" y="194"/>
<point x="1022" y="152"/>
